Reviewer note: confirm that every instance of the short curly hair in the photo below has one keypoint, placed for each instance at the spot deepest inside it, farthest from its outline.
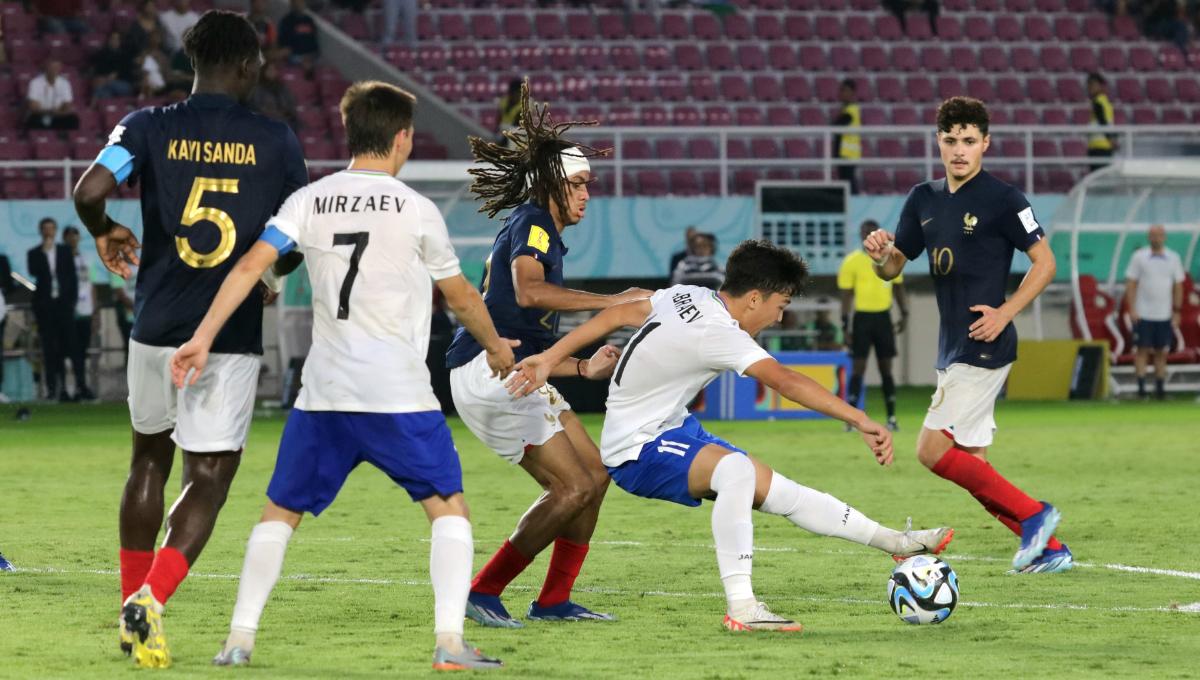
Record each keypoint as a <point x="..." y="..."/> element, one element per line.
<point x="766" y="267"/>
<point x="963" y="111"/>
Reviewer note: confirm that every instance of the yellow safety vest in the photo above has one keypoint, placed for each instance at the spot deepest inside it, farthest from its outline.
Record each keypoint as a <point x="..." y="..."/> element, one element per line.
<point x="1101" y="142"/>
<point x="851" y="146"/>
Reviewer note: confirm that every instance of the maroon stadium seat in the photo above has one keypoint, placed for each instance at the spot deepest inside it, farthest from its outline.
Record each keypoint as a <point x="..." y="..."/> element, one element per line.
<point x="720" y="57"/>
<point x="484" y="26"/>
<point x="812" y="58"/>
<point x="1112" y="58"/>
<point x="1045" y="148"/>
<point x="734" y="87"/>
<point x="719" y="116"/>
<point x="1142" y="59"/>
<point x="781" y="115"/>
<point x="798" y="27"/>
<point x="963" y="58"/>
<point x="1145" y="115"/>
<point x="1041" y="91"/>
<point x="636" y="149"/>
<point x="768" y="27"/>
<point x="812" y="115"/>
<point x="993" y="58"/>
<point x="703" y="148"/>
<point x="781" y="57"/>
<point x="649" y="183"/>
<point x="658" y="58"/>
<point x="1129" y="90"/>
<point x="669" y="148"/>
<point x="747" y="116"/>
<point x="827" y="87"/>
<point x="737" y="148"/>
<point x="874" y="58"/>
<point x="766" y="88"/>
<point x="1095" y="27"/>
<point x="798" y="147"/>
<point x="919" y="89"/>
<point x="1173" y="115"/>
<point x="1009" y="89"/>
<point x="611" y="26"/>
<point x="1083" y="59"/>
<point x="1126" y="28"/>
<point x="1023" y="116"/>
<point x="904" y="58"/>
<point x="1066" y="27"/>
<point x="737" y="27"/>
<point x="949" y="26"/>
<point x="888" y="89"/>
<point x="1005" y="27"/>
<point x="1070" y="89"/>
<point x="639" y="88"/>
<point x="1188" y="89"/>
<point x="703" y="88"/>
<point x="764" y="147"/>
<point x="1055" y="116"/>
<point x="888" y="28"/>
<point x="1023" y="58"/>
<point x="1054" y="58"/>
<point x="626" y="58"/>
<point x="705" y="26"/>
<point x="933" y="58"/>
<point x="829" y="27"/>
<point x="950" y="86"/>
<point x="688" y="57"/>
<point x="751" y="57"/>
<point x="684" y="183"/>
<point x="1159" y="90"/>
<point x="876" y="181"/>
<point x="1037" y="29"/>
<point x="844" y="57"/>
<point x="580" y="26"/>
<point x="796" y="88"/>
<point x="643" y="25"/>
<point x="674" y="26"/>
<point x="453" y="26"/>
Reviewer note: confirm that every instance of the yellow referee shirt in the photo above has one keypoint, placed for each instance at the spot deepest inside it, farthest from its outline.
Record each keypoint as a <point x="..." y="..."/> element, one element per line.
<point x="871" y="293"/>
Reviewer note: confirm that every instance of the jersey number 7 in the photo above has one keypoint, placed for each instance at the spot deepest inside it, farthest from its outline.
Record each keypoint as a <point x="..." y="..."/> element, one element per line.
<point x="358" y="239"/>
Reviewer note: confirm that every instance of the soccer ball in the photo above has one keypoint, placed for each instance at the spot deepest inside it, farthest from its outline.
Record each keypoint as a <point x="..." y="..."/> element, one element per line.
<point x="923" y="589"/>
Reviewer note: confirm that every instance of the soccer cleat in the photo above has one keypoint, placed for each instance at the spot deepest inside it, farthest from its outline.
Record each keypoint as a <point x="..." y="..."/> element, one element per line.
<point x="892" y="425"/>
<point x="488" y="610"/>
<point x="124" y="637"/>
<point x="143" y="619"/>
<point x="5" y="565"/>
<point x="565" y="611"/>
<point x="1035" y="533"/>
<point x="761" y="618"/>
<point x="1049" y="562"/>
<point x="232" y="656"/>
<point x="469" y="659"/>
<point x="923" y="541"/>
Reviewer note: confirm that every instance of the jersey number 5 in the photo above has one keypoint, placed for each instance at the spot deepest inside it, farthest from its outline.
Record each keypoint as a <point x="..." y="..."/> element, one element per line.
<point x="193" y="213"/>
<point x="358" y="239"/>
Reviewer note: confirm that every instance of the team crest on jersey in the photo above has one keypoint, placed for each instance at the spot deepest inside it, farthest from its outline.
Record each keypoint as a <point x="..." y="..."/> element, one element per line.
<point x="538" y="238"/>
<point x="969" y="222"/>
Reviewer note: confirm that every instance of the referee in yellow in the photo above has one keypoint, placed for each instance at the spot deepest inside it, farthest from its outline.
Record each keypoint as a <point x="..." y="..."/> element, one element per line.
<point x="869" y="299"/>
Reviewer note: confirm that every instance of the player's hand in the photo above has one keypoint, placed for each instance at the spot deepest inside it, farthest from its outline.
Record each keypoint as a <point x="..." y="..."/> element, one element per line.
<point x="1176" y="319"/>
<point x="901" y="324"/>
<point x="631" y="294"/>
<point x="878" y="245"/>
<point x="188" y="362"/>
<point x="268" y="295"/>
<point x="878" y="439"/>
<point x="118" y="249"/>
<point x="529" y="375"/>
<point x="989" y="326"/>
<point x="501" y="361"/>
<point x="601" y="365"/>
<point x="1133" y="317"/>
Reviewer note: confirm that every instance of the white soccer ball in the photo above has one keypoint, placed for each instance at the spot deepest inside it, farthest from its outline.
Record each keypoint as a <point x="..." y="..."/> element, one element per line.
<point x="923" y="589"/>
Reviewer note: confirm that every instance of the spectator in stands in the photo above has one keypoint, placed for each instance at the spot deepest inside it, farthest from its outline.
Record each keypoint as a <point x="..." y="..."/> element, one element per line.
<point x="160" y="76"/>
<point x="1154" y="296"/>
<point x="137" y="36"/>
<point x="267" y="36"/>
<point x="900" y="7"/>
<point x="5" y="288"/>
<point x="508" y="111"/>
<point x="824" y="334"/>
<point x="176" y="21"/>
<point x="59" y="16"/>
<point x="272" y="98"/>
<point x="848" y="147"/>
<point x="677" y="257"/>
<point x="51" y="100"/>
<point x="400" y="13"/>
<point x="298" y="35"/>
<point x="1167" y="20"/>
<point x="53" y="270"/>
<point x="700" y="267"/>
<point x="113" y="70"/>
<point x="1100" y="145"/>
<point x="83" y="327"/>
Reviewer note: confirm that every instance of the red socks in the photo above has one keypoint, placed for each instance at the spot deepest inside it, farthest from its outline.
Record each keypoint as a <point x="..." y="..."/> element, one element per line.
<point x="565" y="563"/>
<point x="168" y="571"/>
<point x="987" y="485"/>
<point x="135" y="564"/>
<point x="504" y="566"/>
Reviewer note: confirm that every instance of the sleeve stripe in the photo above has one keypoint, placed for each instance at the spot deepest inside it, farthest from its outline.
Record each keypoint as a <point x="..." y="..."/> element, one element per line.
<point x="118" y="160"/>
<point x="274" y="237"/>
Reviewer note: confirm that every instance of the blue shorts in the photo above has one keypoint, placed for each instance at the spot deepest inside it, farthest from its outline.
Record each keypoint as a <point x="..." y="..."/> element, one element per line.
<point x="1153" y="335"/>
<point x="661" y="468"/>
<point x="319" y="450"/>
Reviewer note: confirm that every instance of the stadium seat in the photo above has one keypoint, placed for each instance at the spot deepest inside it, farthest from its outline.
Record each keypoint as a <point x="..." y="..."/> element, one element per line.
<point x="720" y="58"/>
<point x="844" y="58"/>
<point x="1112" y="58"/>
<point x="781" y="115"/>
<point x="798" y="147"/>
<point x="768" y="27"/>
<point x="781" y="57"/>
<point x="751" y="57"/>
<point x="1125" y="28"/>
<point x="1006" y="28"/>
<point x="764" y="147"/>
<point x="684" y="183"/>
<point x="1158" y="90"/>
<point x="1188" y="89"/>
<point x="705" y="26"/>
<point x="1037" y="29"/>
<point x="737" y="148"/>
<point x="1041" y="91"/>
<point x="1066" y="28"/>
<point x="1070" y="89"/>
<point x="580" y="26"/>
<point x="933" y="58"/>
<point x="887" y="27"/>
<point x="643" y="25"/>
<point x="964" y="59"/>
<point x="610" y="25"/>
<point x="649" y="183"/>
<point x="719" y="116"/>
<point x="949" y="25"/>
<point x="484" y="26"/>
<point x="1010" y="90"/>
<point x="1055" y="116"/>
<point x="876" y="181"/>
<point x="994" y="59"/>
<point x="904" y="58"/>
<point x="733" y="87"/>
<point x="749" y="116"/>
<point x="737" y="27"/>
<point x="889" y="89"/>
<point x="674" y="26"/>
<point x="1173" y="115"/>
<point x="766" y="88"/>
<point x="703" y="88"/>
<point x="636" y="149"/>
<point x="703" y="148"/>
<point x="811" y="116"/>
<point x="688" y="57"/>
<point x="919" y="88"/>
<point x="829" y="27"/>
<point x="1145" y="115"/>
<point x="1129" y="90"/>
<point x="669" y="148"/>
<point x="812" y="58"/>
<point x="1023" y="116"/>
<point x="1023" y="58"/>
<point x="798" y="27"/>
<point x="1054" y="58"/>
<point x="1083" y="59"/>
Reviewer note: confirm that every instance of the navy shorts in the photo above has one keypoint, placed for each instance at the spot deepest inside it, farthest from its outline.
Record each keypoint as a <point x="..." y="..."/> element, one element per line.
<point x="320" y="449"/>
<point x="661" y="468"/>
<point x="1153" y="335"/>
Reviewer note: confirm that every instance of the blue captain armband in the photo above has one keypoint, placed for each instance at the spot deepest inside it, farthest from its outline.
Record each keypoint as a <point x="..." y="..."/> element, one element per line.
<point x="118" y="160"/>
<point x="281" y="241"/>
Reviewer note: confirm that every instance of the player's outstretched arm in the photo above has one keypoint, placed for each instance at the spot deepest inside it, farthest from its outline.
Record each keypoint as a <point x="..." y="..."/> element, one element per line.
<point x="115" y="243"/>
<point x="468" y="306"/>
<point x="888" y="261"/>
<point x="193" y="355"/>
<point x="532" y="290"/>
<point x="989" y="326"/>
<point x="808" y="392"/>
<point x="533" y="371"/>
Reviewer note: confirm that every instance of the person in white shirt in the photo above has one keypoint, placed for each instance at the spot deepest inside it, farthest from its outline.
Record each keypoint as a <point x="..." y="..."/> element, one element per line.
<point x="177" y="20"/>
<point x="1154" y="296"/>
<point x="84" y="316"/>
<point x="654" y="448"/>
<point x="50" y="100"/>
<point x="371" y="244"/>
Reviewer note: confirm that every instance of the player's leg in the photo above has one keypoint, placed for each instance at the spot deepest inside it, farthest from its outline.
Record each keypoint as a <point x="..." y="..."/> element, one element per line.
<point x="571" y="545"/>
<point x="860" y="350"/>
<point x="885" y="351"/>
<point x="1160" y="372"/>
<point x="953" y="443"/>
<point x="1141" y="355"/>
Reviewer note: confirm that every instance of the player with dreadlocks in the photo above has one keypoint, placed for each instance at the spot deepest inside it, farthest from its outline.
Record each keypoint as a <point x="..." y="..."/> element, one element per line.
<point x="543" y="178"/>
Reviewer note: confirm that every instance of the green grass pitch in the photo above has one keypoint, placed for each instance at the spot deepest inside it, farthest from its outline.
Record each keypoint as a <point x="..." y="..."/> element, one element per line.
<point x="354" y="601"/>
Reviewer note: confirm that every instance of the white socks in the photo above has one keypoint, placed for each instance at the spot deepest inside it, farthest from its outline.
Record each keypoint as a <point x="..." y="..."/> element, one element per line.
<point x="264" y="560"/>
<point x="733" y="529"/>
<point x="823" y="514"/>
<point x="450" y="558"/>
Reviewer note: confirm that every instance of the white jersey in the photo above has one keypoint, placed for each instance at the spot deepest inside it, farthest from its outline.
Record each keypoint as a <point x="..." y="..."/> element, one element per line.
<point x="1156" y="276"/>
<point x="371" y="244"/>
<point x="687" y="341"/>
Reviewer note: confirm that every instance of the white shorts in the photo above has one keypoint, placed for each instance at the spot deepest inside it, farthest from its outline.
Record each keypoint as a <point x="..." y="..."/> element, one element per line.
<point x="505" y="424"/>
<point x="212" y="415"/>
<point x="965" y="402"/>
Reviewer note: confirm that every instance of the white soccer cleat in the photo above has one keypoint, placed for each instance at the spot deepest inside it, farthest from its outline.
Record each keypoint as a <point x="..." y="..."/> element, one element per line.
<point x="923" y="541"/>
<point x="760" y="618"/>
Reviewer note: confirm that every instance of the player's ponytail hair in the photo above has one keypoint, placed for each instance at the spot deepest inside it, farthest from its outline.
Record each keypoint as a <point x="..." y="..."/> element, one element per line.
<point x="530" y="167"/>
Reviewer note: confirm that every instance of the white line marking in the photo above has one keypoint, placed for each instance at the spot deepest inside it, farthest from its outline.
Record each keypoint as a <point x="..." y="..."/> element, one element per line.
<point x="308" y="578"/>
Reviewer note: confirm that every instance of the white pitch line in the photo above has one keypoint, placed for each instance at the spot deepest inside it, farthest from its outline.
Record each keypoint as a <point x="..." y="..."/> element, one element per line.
<point x="306" y="578"/>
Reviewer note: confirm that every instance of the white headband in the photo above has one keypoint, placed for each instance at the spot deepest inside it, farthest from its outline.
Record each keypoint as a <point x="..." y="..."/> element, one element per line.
<point x="573" y="161"/>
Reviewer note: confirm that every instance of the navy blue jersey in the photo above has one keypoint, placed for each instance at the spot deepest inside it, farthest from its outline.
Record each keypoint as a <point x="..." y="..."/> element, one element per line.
<point x="529" y="230"/>
<point x="970" y="236"/>
<point x="212" y="174"/>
